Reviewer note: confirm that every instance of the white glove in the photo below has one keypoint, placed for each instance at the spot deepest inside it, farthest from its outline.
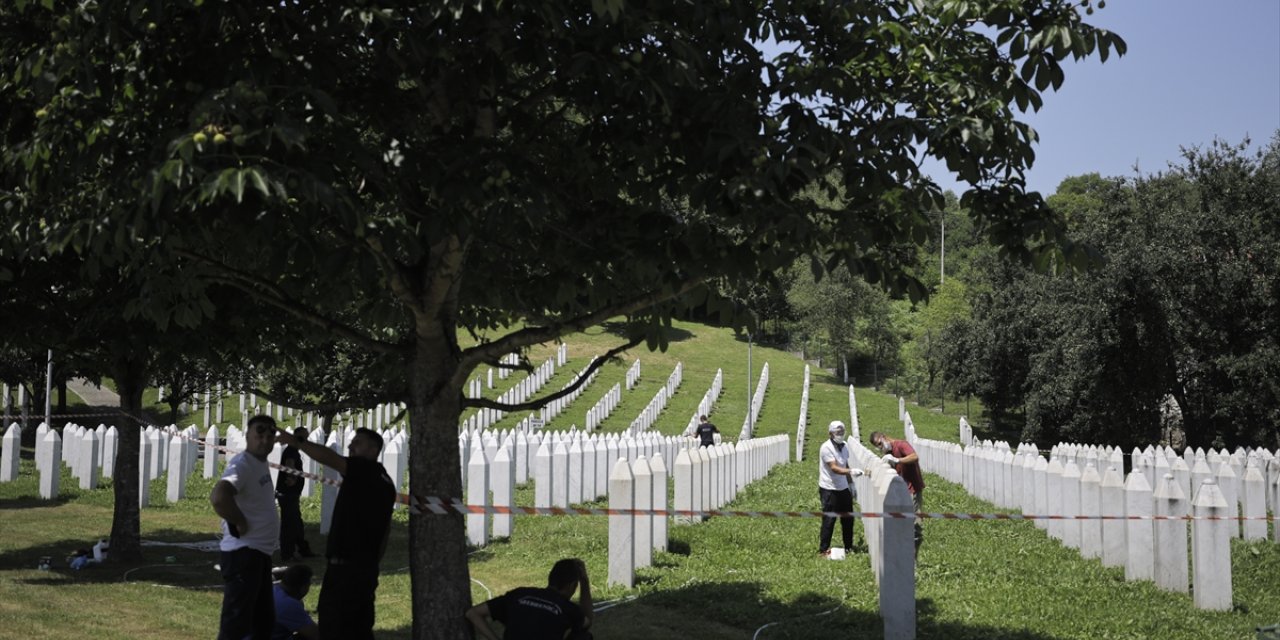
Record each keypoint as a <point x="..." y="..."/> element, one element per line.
<point x="854" y="473"/>
<point x="888" y="457"/>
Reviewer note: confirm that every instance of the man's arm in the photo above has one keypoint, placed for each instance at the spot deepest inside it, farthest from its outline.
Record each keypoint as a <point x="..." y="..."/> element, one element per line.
<point x="911" y="455"/>
<point x="318" y="452"/>
<point x="223" y="499"/>
<point x="839" y="470"/>
<point x="478" y="616"/>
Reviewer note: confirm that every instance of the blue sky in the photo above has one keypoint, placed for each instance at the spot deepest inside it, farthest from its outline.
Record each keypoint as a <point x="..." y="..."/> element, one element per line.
<point x="1195" y="70"/>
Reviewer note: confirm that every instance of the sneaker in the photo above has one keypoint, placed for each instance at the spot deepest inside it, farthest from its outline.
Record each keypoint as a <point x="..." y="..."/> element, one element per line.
<point x="825" y="553"/>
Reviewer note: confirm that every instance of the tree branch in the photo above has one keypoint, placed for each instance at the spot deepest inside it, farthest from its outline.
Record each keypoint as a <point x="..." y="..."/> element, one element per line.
<point x="472" y="357"/>
<point x="274" y="296"/>
<point x="538" y="403"/>
<point x="329" y="407"/>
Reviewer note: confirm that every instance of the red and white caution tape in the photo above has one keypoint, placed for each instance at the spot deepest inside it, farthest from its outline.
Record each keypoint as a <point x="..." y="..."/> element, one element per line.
<point x="442" y="506"/>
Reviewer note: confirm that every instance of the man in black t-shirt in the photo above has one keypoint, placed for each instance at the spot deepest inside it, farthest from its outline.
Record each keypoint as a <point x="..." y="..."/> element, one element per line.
<point x="706" y="431"/>
<point x="529" y="613"/>
<point x="357" y="535"/>
<point x="289" y="496"/>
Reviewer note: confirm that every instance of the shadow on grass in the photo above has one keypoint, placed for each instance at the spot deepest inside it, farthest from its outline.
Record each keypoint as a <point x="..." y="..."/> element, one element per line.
<point x="740" y="609"/>
<point x="164" y="562"/>
<point x="674" y="334"/>
<point x="32" y="502"/>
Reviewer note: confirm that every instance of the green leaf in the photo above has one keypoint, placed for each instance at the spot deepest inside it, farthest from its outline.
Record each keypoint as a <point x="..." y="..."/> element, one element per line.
<point x="237" y="185"/>
<point x="258" y="181"/>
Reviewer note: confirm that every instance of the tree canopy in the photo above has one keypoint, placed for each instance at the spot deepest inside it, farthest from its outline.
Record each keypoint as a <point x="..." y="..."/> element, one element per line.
<point x="388" y="175"/>
<point x="1184" y="307"/>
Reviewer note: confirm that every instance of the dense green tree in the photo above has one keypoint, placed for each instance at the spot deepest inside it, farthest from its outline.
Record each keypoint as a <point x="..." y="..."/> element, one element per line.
<point x="390" y="175"/>
<point x="1184" y="306"/>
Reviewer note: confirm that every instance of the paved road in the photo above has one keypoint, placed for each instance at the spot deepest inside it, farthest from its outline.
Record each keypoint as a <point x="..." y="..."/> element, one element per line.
<point x="93" y="395"/>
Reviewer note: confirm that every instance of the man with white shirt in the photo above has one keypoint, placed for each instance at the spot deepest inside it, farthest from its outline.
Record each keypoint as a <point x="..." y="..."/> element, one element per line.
<point x="245" y="499"/>
<point x="834" y="475"/>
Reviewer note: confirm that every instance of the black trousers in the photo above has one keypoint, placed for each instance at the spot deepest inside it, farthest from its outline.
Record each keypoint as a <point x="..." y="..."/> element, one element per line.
<point x="836" y="500"/>
<point x="346" y="601"/>
<point x="248" y="605"/>
<point x="291" y="531"/>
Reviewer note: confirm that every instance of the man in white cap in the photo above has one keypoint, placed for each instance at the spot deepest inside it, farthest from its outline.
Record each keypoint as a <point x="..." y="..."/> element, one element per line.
<point x="834" y="488"/>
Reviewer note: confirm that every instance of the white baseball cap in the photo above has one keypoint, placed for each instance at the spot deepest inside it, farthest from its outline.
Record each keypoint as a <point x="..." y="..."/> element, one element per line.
<point x="835" y="425"/>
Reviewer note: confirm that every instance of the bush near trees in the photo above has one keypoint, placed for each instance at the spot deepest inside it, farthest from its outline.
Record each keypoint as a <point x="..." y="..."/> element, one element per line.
<point x="390" y="175"/>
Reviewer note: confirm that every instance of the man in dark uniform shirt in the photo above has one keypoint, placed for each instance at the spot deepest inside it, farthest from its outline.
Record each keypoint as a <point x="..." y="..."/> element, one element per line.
<point x="706" y="431"/>
<point x="289" y="495"/>
<point x="357" y="537"/>
<point x="529" y="613"/>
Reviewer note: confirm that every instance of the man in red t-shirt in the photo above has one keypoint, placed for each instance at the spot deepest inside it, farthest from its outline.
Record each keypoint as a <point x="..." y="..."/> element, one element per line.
<point x="900" y="455"/>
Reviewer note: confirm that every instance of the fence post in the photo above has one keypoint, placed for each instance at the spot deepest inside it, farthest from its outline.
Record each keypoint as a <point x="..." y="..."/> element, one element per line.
<point x="1171" y="536"/>
<point x="642" y="476"/>
<point x="684" y="492"/>
<point x="659" y="469"/>
<point x="51" y="465"/>
<point x="1255" y="503"/>
<point x="1090" y="505"/>
<point x="502" y="477"/>
<point x="176" y="488"/>
<point x="478" y="495"/>
<point x="1211" y="549"/>
<point x="898" y="567"/>
<point x="1113" y="531"/>
<point x="1138" y="533"/>
<point x="622" y="557"/>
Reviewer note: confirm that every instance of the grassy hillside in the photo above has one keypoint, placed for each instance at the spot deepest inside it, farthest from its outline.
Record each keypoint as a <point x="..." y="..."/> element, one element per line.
<point x="723" y="578"/>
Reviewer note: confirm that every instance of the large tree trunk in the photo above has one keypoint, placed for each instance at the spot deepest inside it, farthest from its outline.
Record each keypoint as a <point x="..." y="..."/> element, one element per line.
<point x="126" y="537"/>
<point x="437" y="543"/>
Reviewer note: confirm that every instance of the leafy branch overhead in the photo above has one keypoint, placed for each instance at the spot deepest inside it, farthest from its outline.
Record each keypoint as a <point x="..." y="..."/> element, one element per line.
<point x="391" y="174"/>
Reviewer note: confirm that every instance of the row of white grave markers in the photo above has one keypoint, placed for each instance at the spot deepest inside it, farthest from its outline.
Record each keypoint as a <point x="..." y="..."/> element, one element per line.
<point x="757" y="400"/>
<point x="527" y="387"/>
<point x="705" y="478"/>
<point x="511" y="360"/>
<point x="804" y="416"/>
<point x="890" y="541"/>
<point x="708" y="400"/>
<point x="567" y="468"/>
<point x="174" y="453"/>
<point x="557" y="406"/>
<point x="633" y="375"/>
<point x="1148" y="550"/>
<point x="651" y="411"/>
<point x="603" y="407"/>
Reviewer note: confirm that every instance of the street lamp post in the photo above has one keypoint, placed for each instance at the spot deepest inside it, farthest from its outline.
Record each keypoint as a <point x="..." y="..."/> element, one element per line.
<point x="751" y="421"/>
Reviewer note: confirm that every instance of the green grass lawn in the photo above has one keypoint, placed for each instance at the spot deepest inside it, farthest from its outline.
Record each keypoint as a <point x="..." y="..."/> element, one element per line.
<point x="722" y="578"/>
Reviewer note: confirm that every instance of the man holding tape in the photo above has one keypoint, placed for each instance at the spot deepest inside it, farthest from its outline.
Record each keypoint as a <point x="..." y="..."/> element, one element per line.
<point x="358" y="535"/>
<point x="900" y="455"/>
<point x="835" y="489"/>
<point x="245" y="500"/>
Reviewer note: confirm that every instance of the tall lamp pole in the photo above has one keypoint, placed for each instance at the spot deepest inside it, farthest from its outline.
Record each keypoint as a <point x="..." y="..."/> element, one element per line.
<point x="751" y="420"/>
<point x="942" y="261"/>
<point x="48" y="392"/>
